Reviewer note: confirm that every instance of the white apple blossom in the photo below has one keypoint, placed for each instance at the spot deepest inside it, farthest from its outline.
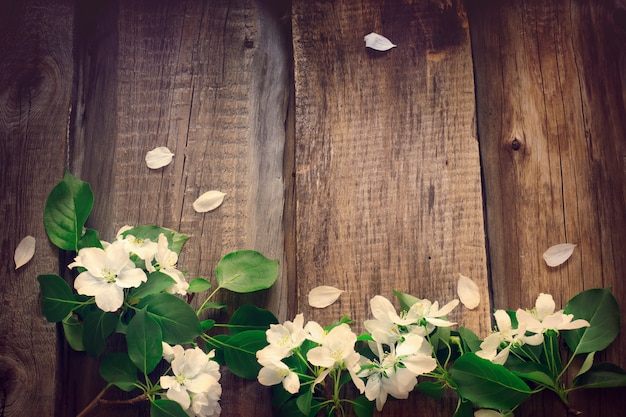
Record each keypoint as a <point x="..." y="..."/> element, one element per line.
<point x="506" y="334"/>
<point x="289" y="335"/>
<point x="107" y="272"/>
<point x="396" y="370"/>
<point x="143" y="248"/>
<point x="335" y="351"/>
<point x="164" y="260"/>
<point x="543" y="317"/>
<point x="195" y="384"/>
<point x="275" y="372"/>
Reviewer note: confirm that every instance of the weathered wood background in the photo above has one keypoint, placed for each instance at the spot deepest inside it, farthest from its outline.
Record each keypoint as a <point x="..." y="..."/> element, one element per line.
<point x="494" y="130"/>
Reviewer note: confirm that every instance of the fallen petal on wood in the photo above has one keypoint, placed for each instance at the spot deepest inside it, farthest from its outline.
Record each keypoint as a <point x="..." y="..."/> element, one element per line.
<point x="208" y="201"/>
<point x="24" y="251"/>
<point x="468" y="291"/>
<point x="159" y="157"/>
<point x="558" y="254"/>
<point x="378" y="42"/>
<point x="323" y="296"/>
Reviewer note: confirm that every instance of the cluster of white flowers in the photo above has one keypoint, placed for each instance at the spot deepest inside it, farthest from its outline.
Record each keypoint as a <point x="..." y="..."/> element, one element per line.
<point x="400" y="346"/>
<point x="531" y="326"/>
<point x="401" y="350"/>
<point x="195" y="383"/>
<point x="334" y="350"/>
<point x="108" y="271"/>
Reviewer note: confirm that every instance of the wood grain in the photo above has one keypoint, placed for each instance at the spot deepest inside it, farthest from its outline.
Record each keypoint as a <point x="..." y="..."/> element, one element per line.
<point x="551" y="122"/>
<point x="35" y="96"/>
<point x="387" y="166"/>
<point x="208" y="80"/>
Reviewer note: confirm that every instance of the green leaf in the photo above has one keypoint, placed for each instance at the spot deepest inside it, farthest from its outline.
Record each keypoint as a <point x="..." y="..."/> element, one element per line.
<point x="432" y="389"/>
<point x="486" y="384"/>
<point x="116" y="368"/>
<point x="149" y="231"/>
<point x="250" y="317"/>
<point x="73" y="330"/>
<point x="212" y="304"/>
<point x="601" y="375"/>
<point x="57" y="298"/>
<point x="586" y="365"/>
<point x="289" y="409"/>
<point x="246" y="271"/>
<point x="97" y="326"/>
<point x="207" y="324"/>
<point x="198" y="285"/>
<point x="217" y="343"/>
<point x="471" y="342"/>
<point x="600" y="309"/>
<point x="240" y="353"/>
<point x="303" y="401"/>
<point x="144" y="341"/>
<point x="67" y="208"/>
<point x="363" y="407"/>
<point x="464" y="409"/>
<point x="90" y="239"/>
<point x="166" y="408"/>
<point x="177" y="319"/>
<point x="406" y="300"/>
<point x="157" y="282"/>
<point x="531" y="371"/>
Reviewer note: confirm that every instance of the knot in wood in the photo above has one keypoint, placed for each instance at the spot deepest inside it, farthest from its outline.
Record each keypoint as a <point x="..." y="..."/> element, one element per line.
<point x="516" y="144"/>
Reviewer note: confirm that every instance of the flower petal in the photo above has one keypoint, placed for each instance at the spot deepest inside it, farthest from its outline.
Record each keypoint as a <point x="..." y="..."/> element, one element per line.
<point x="558" y="254"/>
<point x="159" y="157"/>
<point x="208" y="201"/>
<point x="24" y="251"/>
<point x="468" y="292"/>
<point x="323" y="296"/>
<point x="378" y="42"/>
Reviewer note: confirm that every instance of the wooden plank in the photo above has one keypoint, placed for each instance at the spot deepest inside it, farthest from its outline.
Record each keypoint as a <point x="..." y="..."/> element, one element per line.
<point x="210" y="81"/>
<point x="36" y="70"/>
<point x="387" y="168"/>
<point x="551" y="122"/>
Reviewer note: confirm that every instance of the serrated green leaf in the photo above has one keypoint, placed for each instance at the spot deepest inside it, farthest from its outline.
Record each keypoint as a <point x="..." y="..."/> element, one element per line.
<point x="250" y="317"/>
<point x="57" y="298"/>
<point x="600" y="309"/>
<point x="198" y="285"/>
<point x="166" y="408"/>
<point x="601" y="375"/>
<point x="177" y="319"/>
<point x="486" y="384"/>
<point x="240" y="353"/>
<point x="116" y="368"/>
<point x="246" y="271"/>
<point x="587" y="363"/>
<point x="149" y="231"/>
<point x="67" y="208"/>
<point x="144" y="340"/>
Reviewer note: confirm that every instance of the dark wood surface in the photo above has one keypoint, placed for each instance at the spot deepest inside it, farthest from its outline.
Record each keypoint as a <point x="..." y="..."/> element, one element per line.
<point x="493" y="131"/>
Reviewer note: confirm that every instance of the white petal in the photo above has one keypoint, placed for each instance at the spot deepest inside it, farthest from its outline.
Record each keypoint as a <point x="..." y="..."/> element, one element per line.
<point x="378" y="42"/>
<point x="24" y="251"/>
<point x="323" y="296"/>
<point x="208" y="201"/>
<point x="468" y="292"/>
<point x="558" y="254"/>
<point x="159" y="157"/>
